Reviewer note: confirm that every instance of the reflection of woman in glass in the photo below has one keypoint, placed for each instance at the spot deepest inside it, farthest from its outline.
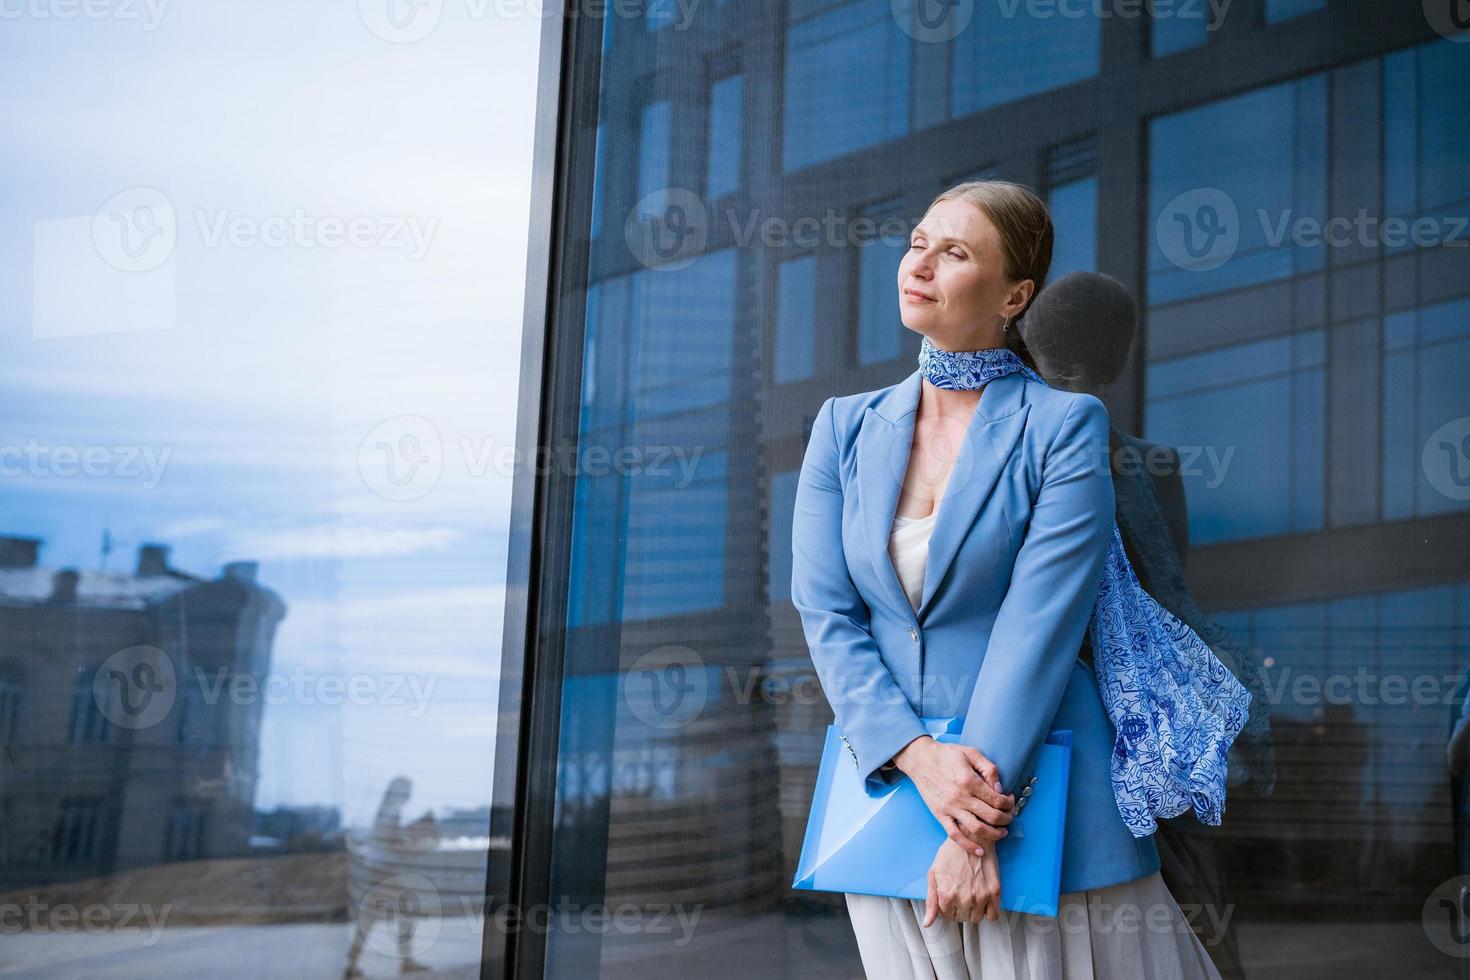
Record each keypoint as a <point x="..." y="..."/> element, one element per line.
<point x="1080" y="331"/>
<point x="950" y="536"/>
<point x="387" y="901"/>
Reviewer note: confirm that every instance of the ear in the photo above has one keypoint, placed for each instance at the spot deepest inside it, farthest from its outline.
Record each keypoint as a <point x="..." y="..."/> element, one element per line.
<point x="1018" y="297"/>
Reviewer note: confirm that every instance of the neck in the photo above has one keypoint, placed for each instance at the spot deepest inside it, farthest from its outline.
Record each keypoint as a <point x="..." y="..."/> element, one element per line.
<point x="965" y="370"/>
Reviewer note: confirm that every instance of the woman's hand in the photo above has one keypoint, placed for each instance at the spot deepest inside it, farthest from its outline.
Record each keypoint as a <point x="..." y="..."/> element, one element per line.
<point x="963" y="887"/>
<point x="961" y="788"/>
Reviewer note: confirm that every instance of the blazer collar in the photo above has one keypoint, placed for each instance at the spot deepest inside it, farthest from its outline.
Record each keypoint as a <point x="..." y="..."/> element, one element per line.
<point x="884" y="444"/>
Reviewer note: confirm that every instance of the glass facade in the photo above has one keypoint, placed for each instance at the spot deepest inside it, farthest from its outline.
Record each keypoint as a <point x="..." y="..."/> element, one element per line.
<point x="1307" y="384"/>
<point x="258" y="402"/>
<point x="304" y="671"/>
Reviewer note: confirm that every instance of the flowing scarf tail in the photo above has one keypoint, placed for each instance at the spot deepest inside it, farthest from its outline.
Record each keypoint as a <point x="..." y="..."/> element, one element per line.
<point x="1175" y="707"/>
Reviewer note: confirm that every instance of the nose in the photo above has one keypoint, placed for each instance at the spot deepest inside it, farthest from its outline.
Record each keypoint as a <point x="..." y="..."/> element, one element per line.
<point x="922" y="261"/>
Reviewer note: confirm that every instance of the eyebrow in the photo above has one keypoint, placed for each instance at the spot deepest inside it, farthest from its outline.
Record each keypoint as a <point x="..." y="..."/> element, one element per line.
<point x="956" y="241"/>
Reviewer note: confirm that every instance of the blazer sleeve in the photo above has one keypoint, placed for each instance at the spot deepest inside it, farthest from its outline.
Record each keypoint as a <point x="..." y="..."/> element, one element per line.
<point x="871" y="709"/>
<point x="1043" y="618"/>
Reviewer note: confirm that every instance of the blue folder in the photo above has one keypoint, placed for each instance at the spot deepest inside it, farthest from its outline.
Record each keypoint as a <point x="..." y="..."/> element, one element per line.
<point x="882" y="842"/>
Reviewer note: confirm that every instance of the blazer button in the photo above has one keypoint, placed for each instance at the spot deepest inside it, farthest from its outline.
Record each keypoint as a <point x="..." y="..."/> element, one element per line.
<point x="1033" y="779"/>
<point x="914" y="633"/>
<point x="1025" y="793"/>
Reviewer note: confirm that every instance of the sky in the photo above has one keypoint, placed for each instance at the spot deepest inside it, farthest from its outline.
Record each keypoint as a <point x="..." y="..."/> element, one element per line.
<point x="262" y="265"/>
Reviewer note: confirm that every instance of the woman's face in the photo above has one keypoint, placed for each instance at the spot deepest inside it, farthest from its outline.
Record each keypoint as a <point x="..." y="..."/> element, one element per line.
<point x="951" y="282"/>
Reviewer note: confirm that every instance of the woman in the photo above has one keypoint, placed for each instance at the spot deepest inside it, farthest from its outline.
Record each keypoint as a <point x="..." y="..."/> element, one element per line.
<point x="950" y="535"/>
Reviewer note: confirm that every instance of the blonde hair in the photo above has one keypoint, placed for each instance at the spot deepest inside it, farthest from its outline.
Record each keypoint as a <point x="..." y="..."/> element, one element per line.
<point x="1023" y="222"/>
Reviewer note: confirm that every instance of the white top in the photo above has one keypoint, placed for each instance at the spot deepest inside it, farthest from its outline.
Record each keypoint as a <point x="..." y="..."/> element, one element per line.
<point x="908" y="546"/>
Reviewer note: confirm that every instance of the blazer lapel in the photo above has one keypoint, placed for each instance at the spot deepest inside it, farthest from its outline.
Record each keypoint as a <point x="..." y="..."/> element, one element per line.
<point x="884" y="443"/>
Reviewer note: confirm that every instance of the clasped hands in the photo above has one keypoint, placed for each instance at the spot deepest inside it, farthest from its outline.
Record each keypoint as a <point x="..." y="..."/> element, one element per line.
<point x="962" y="789"/>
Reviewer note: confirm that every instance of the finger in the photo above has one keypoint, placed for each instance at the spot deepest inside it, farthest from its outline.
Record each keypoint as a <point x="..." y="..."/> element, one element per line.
<point x="989" y="814"/>
<point x="982" y="765"/>
<point x="958" y="834"/>
<point x="988" y="792"/>
<point x="977" y="831"/>
<point x="931" y="903"/>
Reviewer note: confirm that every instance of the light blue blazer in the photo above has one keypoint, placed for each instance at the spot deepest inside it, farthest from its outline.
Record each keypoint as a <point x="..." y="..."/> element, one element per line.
<point x="1015" y="561"/>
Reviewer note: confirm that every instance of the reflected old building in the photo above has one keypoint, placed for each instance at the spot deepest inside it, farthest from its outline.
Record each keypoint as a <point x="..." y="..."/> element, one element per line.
<point x="123" y="747"/>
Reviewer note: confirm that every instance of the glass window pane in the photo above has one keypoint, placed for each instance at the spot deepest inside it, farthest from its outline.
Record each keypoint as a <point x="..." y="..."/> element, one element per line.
<point x="1280" y="10"/>
<point x="725" y="145"/>
<point x="1006" y="53"/>
<point x="846" y="84"/>
<point x="1074" y="213"/>
<point x="263" y="304"/>
<point x="1237" y="228"/>
<point x="796" y="314"/>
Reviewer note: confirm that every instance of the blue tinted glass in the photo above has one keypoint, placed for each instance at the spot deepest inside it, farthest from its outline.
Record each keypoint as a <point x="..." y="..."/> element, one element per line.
<point x="1306" y="462"/>
<point x="1444" y="321"/>
<point x="653" y="148"/>
<point x="1239" y="362"/>
<point x="1441" y="398"/>
<point x="597" y="182"/>
<point x="1009" y="51"/>
<point x="1444" y="129"/>
<point x="1240" y="483"/>
<point x="1177" y="27"/>
<point x="683" y="323"/>
<point x="1400" y="141"/>
<point x="724" y="137"/>
<point x="1309" y="348"/>
<point x="847" y="82"/>
<point x="1268" y="148"/>
<point x="1400" y="455"/>
<point x="1074" y="215"/>
<point x="783" y="505"/>
<point x="796" y="312"/>
<point x="676" y="534"/>
<point x="1279" y="10"/>
<point x="879" y="328"/>
<point x="1423" y="389"/>
<point x="1426" y="140"/>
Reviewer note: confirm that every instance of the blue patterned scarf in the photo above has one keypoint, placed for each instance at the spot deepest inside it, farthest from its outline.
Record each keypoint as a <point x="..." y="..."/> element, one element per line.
<point x="1175" y="707"/>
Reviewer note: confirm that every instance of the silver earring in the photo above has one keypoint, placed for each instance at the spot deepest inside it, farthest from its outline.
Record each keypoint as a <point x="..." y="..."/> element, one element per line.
<point x="1007" y="327"/>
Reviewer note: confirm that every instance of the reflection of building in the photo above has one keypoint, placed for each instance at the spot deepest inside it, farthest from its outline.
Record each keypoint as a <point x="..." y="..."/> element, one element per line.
<point x="89" y="788"/>
<point x="1322" y="370"/>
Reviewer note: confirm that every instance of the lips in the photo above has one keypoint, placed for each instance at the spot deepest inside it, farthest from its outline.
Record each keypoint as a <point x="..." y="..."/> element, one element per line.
<point x="915" y="294"/>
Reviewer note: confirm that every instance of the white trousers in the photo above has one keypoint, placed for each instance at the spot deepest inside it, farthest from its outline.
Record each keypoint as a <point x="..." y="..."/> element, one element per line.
<point x="1130" y="931"/>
